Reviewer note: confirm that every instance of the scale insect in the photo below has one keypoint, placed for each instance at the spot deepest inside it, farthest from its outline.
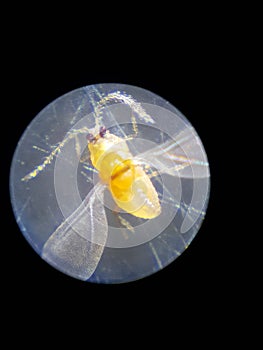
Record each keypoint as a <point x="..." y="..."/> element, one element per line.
<point x="130" y="186"/>
<point x="76" y="246"/>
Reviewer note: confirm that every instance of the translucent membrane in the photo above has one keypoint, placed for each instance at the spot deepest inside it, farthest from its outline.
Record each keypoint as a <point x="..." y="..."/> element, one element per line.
<point x="70" y="217"/>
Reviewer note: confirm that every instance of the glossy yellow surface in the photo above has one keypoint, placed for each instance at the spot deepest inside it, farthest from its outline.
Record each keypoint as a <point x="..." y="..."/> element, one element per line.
<point x="131" y="188"/>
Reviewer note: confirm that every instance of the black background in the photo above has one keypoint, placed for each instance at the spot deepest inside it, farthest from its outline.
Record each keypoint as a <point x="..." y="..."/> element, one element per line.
<point x="188" y="67"/>
<point x="190" y="89"/>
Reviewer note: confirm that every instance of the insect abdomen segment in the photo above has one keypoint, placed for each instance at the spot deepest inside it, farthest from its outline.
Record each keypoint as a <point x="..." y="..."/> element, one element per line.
<point x="130" y="186"/>
<point x="133" y="191"/>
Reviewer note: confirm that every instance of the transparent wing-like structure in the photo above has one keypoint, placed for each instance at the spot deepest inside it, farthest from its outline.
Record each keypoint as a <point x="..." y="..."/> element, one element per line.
<point x="181" y="156"/>
<point x="76" y="246"/>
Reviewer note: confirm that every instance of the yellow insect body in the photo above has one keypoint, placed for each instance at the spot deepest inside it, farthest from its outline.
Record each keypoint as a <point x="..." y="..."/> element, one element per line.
<point x="130" y="186"/>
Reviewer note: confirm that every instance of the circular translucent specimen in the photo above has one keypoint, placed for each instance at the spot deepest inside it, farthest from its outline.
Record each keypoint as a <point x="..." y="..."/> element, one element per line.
<point x="69" y="215"/>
